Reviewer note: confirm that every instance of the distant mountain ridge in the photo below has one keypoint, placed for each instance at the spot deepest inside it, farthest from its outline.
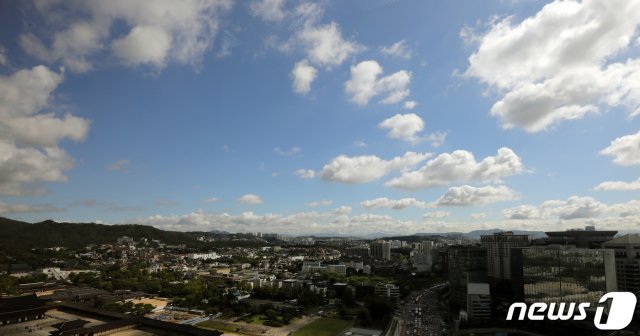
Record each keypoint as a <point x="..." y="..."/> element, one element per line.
<point x="20" y="236"/>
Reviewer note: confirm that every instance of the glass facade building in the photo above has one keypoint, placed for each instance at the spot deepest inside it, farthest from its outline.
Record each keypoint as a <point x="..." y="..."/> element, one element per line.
<point x="566" y="274"/>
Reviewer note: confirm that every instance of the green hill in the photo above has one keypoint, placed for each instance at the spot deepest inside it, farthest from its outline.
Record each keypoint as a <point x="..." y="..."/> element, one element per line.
<point x="16" y="236"/>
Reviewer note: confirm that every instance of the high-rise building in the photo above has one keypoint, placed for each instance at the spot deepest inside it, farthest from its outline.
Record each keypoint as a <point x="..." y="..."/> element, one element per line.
<point x="423" y="258"/>
<point x="478" y="301"/>
<point x="466" y="264"/>
<point x="588" y="238"/>
<point x="499" y="247"/>
<point x="564" y="273"/>
<point x="381" y="250"/>
<point x="627" y="254"/>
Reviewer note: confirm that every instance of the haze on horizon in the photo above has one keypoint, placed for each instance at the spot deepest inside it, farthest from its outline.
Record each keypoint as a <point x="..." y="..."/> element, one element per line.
<point x="302" y="117"/>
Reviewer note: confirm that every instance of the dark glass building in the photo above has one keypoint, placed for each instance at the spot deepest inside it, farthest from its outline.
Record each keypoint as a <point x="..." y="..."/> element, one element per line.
<point x="467" y="263"/>
<point x="564" y="273"/>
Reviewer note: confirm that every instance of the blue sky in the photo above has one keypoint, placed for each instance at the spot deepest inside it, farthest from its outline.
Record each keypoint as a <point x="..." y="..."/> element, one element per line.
<point x="348" y="117"/>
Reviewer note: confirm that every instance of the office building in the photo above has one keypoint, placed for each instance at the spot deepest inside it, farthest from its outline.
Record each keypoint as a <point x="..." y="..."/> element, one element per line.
<point x="588" y="238"/>
<point x="499" y="247"/>
<point x="387" y="290"/>
<point x="381" y="250"/>
<point x="478" y="301"/>
<point x="466" y="263"/>
<point x="564" y="273"/>
<point x="627" y="255"/>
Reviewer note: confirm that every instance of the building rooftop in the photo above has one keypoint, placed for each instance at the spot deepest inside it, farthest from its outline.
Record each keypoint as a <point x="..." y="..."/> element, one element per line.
<point x="478" y="288"/>
<point x="630" y="239"/>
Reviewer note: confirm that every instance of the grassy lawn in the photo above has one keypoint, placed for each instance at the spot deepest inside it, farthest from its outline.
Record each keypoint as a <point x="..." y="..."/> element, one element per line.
<point x="217" y="326"/>
<point x="323" y="327"/>
<point x="255" y="319"/>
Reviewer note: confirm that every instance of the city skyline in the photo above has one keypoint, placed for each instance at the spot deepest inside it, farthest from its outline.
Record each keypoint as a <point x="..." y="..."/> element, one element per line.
<point x="311" y="117"/>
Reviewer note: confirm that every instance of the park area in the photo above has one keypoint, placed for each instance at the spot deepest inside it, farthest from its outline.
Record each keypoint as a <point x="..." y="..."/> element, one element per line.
<point x="323" y="327"/>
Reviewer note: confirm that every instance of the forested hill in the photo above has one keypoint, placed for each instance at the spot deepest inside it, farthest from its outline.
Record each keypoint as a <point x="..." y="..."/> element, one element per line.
<point x="20" y="236"/>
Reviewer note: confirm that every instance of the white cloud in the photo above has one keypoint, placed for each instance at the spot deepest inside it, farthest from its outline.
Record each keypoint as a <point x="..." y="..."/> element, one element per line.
<point x="4" y="60"/>
<point x="321" y="203"/>
<point x="410" y="104"/>
<point x="144" y="45"/>
<point x="121" y="165"/>
<point x="159" y="31"/>
<point x="436" y="139"/>
<point x="384" y="202"/>
<point x="436" y="214"/>
<point x="459" y="166"/>
<point x="250" y="199"/>
<point x="365" y="84"/>
<point x="360" y="143"/>
<point x="342" y="210"/>
<point x="303" y="75"/>
<point x="398" y="49"/>
<point x="26" y="208"/>
<point x="293" y="151"/>
<point x="268" y="10"/>
<point x="362" y="169"/>
<point x="559" y="64"/>
<point x="403" y="127"/>
<point x="468" y="195"/>
<point x="618" y="185"/>
<point x="479" y="215"/>
<point x="325" y="46"/>
<point x="305" y="174"/>
<point x="625" y="150"/>
<point x="29" y="139"/>
<point x="211" y="200"/>
<point x="339" y="221"/>
<point x="574" y="207"/>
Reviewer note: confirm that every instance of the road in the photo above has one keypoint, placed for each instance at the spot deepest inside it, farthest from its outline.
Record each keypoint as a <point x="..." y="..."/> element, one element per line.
<point x="419" y="315"/>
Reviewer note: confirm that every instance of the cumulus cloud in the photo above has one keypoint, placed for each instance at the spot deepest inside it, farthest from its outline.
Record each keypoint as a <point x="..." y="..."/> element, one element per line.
<point x="303" y="75"/>
<point x="268" y="10"/>
<point x="305" y="174"/>
<point x="366" y="83"/>
<point x="158" y="32"/>
<point x="26" y="208"/>
<point x="362" y="169"/>
<point x="4" y="60"/>
<point x="398" y="49"/>
<point x="436" y="139"/>
<point x="618" y="185"/>
<point x="339" y="220"/>
<point x="479" y="215"/>
<point x="625" y="150"/>
<point x="321" y="203"/>
<point x="322" y="44"/>
<point x="459" y="166"/>
<point x="29" y="139"/>
<point x="436" y="214"/>
<point x="409" y="104"/>
<point x="121" y="165"/>
<point x="211" y="200"/>
<point x="384" y="202"/>
<point x="559" y="64"/>
<point x="325" y="46"/>
<point x="574" y="207"/>
<point x="468" y="195"/>
<point x="293" y="151"/>
<point x="250" y="199"/>
<point x="342" y="210"/>
<point x="403" y="127"/>
<point x="143" y="45"/>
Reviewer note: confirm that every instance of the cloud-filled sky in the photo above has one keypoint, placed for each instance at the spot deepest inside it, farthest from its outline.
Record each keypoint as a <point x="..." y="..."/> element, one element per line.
<point x="348" y="117"/>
